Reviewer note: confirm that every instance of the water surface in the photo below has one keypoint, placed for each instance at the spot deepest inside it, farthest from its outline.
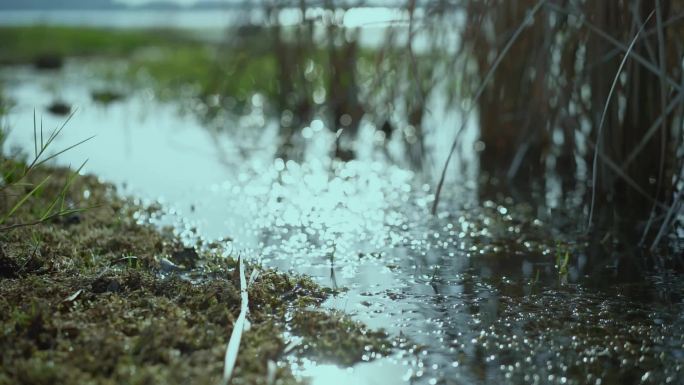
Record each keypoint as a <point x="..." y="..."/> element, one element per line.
<point x="479" y="294"/>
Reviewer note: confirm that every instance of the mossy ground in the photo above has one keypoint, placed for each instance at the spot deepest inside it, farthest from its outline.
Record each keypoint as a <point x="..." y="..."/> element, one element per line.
<point x="85" y="300"/>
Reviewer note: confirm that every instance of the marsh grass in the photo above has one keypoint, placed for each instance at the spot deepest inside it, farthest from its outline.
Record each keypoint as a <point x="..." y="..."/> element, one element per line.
<point x="481" y="88"/>
<point x="590" y="93"/>
<point x="599" y="134"/>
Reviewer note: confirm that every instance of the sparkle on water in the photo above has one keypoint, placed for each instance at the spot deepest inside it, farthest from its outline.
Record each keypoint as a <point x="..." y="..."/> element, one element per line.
<point x="474" y="295"/>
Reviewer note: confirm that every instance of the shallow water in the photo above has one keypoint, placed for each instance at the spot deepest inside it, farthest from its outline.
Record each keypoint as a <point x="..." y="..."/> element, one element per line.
<point x="479" y="294"/>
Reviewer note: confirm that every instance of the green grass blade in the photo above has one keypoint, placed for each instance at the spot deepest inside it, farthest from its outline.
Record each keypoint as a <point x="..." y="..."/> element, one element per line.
<point x="58" y="130"/>
<point x="62" y="151"/>
<point x="61" y="197"/>
<point x="23" y="200"/>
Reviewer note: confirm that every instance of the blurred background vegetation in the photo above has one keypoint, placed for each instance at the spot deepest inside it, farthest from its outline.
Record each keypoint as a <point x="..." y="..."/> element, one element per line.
<point x="555" y="108"/>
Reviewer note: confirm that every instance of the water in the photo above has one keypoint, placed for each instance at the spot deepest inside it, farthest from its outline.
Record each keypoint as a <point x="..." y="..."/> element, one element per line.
<point x="475" y="295"/>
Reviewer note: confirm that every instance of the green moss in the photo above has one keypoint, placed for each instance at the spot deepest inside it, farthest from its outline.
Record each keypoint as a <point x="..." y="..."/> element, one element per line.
<point x="89" y="302"/>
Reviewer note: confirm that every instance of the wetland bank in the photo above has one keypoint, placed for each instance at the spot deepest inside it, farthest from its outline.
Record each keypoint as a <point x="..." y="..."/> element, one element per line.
<point x="309" y="141"/>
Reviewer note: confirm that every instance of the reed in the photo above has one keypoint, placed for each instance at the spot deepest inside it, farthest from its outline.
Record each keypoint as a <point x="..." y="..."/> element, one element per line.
<point x="589" y="91"/>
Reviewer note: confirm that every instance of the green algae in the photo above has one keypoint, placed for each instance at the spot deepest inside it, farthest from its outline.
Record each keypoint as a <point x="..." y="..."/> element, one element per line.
<point x="88" y="300"/>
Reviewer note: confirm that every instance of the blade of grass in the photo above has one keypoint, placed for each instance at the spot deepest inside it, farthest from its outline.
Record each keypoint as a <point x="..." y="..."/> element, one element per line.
<point x="23" y="200"/>
<point x="70" y="181"/>
<point x="599" y="134"/>
<point x="35" y="135"/>
<point x="8" y="175"/>
<point x="528" y="18"/>
<point x="63" y="151"/>
<point x="253" y="277"/>
<point x="55" y="215"/>
<point x="44" y="145"/>
<point x="59" y="129"/>
<point x="238" y="327"/>
<point x="61" y="197"/>
<point x="271" y="371"/>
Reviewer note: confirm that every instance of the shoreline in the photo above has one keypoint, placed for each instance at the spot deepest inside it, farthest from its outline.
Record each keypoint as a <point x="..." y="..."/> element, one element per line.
<point x="95" y="297"/>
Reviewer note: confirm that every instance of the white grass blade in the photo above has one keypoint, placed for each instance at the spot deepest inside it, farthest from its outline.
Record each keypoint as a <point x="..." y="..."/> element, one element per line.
<point x="238" y="327"/>
<point x="271" y="373"/>
<point x="23" y="200"/>
<point x="253" y="277"/>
